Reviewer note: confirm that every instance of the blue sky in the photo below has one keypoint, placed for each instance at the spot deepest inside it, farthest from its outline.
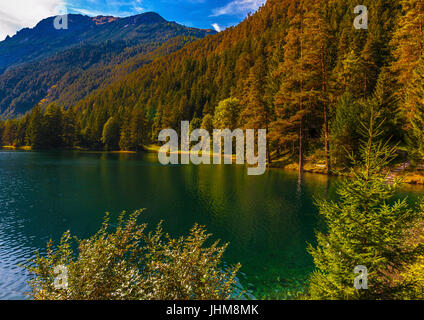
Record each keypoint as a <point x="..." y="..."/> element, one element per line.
<point x="193" y="13"/>
<point x="218" y="14"/>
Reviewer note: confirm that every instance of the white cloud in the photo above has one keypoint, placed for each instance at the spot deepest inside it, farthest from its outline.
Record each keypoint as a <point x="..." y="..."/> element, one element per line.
<point x="114" y="8"/>
<point x="18" y="14"/>
<point x="92" y="13"/>
<point x="216" y="27"/>
<point x="238" y="7"/>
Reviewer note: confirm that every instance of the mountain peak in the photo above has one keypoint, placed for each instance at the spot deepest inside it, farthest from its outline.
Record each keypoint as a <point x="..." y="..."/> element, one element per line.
<point x="104" y="19"/>
<point x="142" y="18"/>
<point x="146" y="18"/>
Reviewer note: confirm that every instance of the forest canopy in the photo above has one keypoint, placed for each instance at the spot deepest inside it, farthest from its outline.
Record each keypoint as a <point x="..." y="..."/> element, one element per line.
<point x="299" y="69"/>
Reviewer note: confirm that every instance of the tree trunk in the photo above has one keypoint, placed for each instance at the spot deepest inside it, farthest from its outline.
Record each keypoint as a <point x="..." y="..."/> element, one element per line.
<point x="324" y="88"/>
<point x="301" y="93"/>
<point x="268" y="150"/>
<point x="301" y="146"/>
<point x="326" y="142"/>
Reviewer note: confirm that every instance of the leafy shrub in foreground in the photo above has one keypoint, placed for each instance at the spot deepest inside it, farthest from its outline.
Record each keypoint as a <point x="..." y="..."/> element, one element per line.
<point x="132" y="264"/>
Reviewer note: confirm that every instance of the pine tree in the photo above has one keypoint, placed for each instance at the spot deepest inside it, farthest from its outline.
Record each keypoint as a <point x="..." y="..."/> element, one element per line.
<point x="111" y="134"/>
<point x="289" y="101"/>
<point x="1" y="132"/>
<point x="36" y="133"/>
<point x="408" y="47"/>
<point x="207" y="123"/>
<point x="366" y="227"/>
<point x="317" y="37"/>
<point x="53" y="126"/>
<point x="414" y="100"/>
<point x="384" y="100"/>
<point x="369" y="66"/>
<point x="9" y="132"/>
<point x="408" y="41"/>
<point x="70" y="132"/>
<point x="257" y="112"/>
<point x="344" y="134"/>
<point x="125" y="139"/>
<point x="304" y="69"/>
<point x="21" y="131"/>
<point x="138" y="130"/>
<point x="350" y="76"/>
<point x="227" y="114"/>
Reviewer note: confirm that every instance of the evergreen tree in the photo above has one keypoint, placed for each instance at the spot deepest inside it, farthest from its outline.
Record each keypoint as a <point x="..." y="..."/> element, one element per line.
<point x="53" y="126"/>
<point x="70" y="130"/>
<point x="227" y="114"/>
<point x="316" y="57"/>
<point x="304" y="70"/>
<point x="21" y="131"/>
<point x="384" y="100"/>
<point x="1" y="132"/>
<point x="195" y="123"/>
<point x="257" y="112"/>
<point x="138" y="132"/>
<point x="207" y="123"/>
<point x="408" y="41"/>
<point x="290" y="101"/>
<point x="345" y="135"/>
<point x="349" y="75"/>
<point x="366" y="227"/>
<point x="125" y="139"/>
<point x="36" y="133"/>
<point x="9" y="132"/>
<point x="369" y="66"/>
<point x="414" y="100"/>
<point x="111" y="134"/>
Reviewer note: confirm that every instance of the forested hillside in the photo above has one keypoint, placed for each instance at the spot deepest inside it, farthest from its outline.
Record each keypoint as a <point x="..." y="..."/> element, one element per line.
<point x="45" y="65"/>
<point x="297" y="68"/>
<point x="45" y="40"/>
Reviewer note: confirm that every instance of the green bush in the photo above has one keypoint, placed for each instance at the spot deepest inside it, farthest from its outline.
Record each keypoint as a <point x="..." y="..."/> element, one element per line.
<point x="130" y="264"/>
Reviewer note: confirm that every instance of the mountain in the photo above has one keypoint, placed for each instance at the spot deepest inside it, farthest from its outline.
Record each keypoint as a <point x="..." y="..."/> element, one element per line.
<point x="36" y="61"/>
<point x="44" y="40"/>
<point x="299" y="69"/>
<point x="259" y="63"/>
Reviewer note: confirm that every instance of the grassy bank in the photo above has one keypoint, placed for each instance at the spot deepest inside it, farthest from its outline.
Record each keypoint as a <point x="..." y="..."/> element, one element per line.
<point x="409" y="175"/>
<point x="26" y="148"/>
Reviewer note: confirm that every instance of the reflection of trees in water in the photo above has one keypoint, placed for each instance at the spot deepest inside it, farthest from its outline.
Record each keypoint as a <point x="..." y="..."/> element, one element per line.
<point x="299" y="187"/>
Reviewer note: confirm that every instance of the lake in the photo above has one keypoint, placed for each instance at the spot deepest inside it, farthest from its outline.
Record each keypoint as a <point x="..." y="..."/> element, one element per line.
<point x="267" y="219"/>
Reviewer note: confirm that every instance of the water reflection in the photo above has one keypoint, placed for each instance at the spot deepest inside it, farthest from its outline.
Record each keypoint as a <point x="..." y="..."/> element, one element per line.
<point x="267" y="219"/>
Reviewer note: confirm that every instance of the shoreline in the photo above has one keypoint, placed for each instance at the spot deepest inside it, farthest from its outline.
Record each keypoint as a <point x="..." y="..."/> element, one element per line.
<point x="23" y="148"/>
<point x="409" y="177"/>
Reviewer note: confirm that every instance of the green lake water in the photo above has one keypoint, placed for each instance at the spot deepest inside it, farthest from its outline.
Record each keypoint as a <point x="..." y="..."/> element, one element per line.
<point x="267" y="219"/>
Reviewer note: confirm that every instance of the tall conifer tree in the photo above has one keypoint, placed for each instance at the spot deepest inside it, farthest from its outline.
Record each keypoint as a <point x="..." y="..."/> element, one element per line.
<point x="408" y="42"/>
<point x="366" y="227"/>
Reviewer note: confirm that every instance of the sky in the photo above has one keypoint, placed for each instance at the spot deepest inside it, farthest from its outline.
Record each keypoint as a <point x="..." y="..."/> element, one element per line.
<point x="209" y="14"/>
